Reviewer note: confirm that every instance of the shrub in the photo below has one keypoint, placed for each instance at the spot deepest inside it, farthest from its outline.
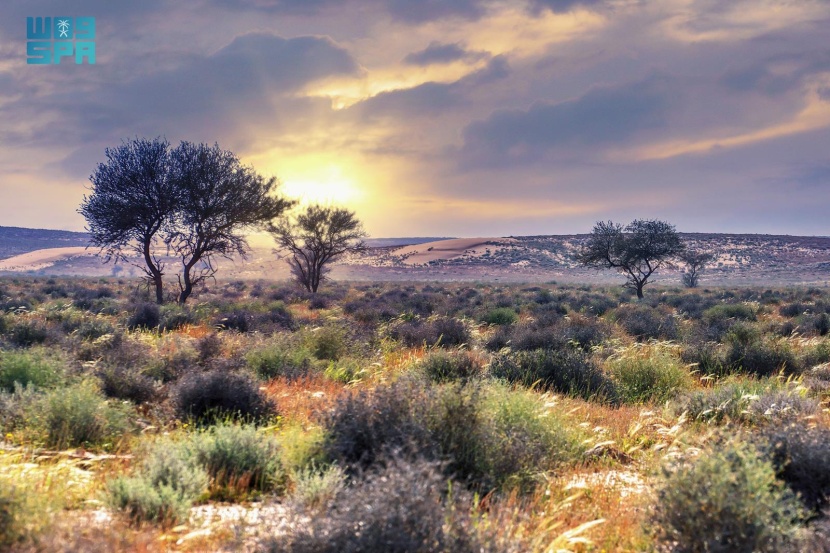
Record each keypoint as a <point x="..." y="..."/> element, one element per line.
<point x="279" y="361"/>
<point x="12" y="515"/>
<point x="217" y="393"/>
<point x="501" y="316"/>
<point x="80" y="416"/>
<point x="728" y="499"/>
<point x="145" y="316"/>
<point x="315" y="488"/>
<point x="645" y="374"/>
<point x="566" y="371"/>
<point x="27" y="333"/>
<point x="646" y="323"/>
<point x="761" y="357"/>
<point x="440" y="331"/>
<point x="528" y="338"/>
<point x="174" y="317"/>
<point x="236" y="320"/>
<point x="401" y="507"/>
<point x="747" y="401"/>
<point x="126" y="383"/>
<point x="328" y="343"/>
<point x="27" y="367"/>
<point x="238" y="459"/>
<point x="165" y="485"/>
<point x="706" y="357"/>
<point x="801" y="457"/>
<point x="445" y="366"/>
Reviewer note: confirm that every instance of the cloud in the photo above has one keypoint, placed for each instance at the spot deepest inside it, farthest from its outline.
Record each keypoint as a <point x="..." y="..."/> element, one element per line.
<point x="601" y="117"/>
<point x="431" y="98"/>
<point x="438" y="52"/>
<point x="560" y="6"/>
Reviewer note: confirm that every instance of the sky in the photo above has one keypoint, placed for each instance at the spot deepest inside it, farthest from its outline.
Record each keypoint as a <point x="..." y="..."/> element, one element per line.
<point x="445" y="118"/>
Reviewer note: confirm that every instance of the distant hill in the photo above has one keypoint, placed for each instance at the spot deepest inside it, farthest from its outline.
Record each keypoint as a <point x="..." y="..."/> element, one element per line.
<point x="17" y="240"/>
<point x="397" y="242"/>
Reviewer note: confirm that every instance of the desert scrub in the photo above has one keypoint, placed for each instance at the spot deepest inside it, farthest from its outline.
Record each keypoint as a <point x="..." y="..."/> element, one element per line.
<point x="30" y="367"/>
<point x="501" y="316"/>
<point x="646" y="323"/>
<point x="239" y="459"/>
<point x="79" y="415"/>
<point x="315" y="487"/>
<point x="447" y="366"/>
<point x="217" y="394"/>
<point x="401" y="506"/>
<point x="751" y="353"/>
<point x="801" y="457"/>
<point x="647" y="373"/>
<point x="277" y="359"/>
<point x="747" y="400"/>
<point x="566" y="371"/>
<point x="727" y="499"/>
<point x="164" y="486"/>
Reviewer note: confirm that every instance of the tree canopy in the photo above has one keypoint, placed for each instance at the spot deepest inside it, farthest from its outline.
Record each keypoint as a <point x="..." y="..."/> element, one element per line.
<point x="636" y="250"/>
<point x="314" y="239"/>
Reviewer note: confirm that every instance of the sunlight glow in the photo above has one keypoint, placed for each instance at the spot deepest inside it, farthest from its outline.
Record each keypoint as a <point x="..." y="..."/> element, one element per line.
<point x="327" y="185"/>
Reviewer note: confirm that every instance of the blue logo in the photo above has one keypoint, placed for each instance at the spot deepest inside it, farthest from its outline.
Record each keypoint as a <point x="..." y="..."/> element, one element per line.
<point x="50" y="39"/>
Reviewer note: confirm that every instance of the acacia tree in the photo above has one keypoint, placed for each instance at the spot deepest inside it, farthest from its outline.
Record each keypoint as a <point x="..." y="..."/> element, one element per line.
<point x="696" y="262"/>
<point x="131" y="206"/>
<point x="636" y="250"/>
<point x="219" y="199"/>
<point x="316" y="238"/>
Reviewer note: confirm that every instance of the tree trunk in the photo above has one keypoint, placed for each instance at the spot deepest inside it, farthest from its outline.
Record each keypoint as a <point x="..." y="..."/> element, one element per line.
<point x="155" y="273"/>
<point x="187" y="289"/>
<point x="640" y="290"/>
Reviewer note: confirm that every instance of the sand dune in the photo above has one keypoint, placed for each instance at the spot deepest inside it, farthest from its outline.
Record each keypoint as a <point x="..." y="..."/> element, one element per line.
<point x="40" y="259"/>
<point x="419" y="254"/>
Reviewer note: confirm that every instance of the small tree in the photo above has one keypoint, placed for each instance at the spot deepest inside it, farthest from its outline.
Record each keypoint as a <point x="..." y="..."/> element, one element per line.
<point x="131" y="206"/>
<point x="316" y="238"/>
<point x="219" y="198"/>
<point x="636" y="251"/>
<point x="695" y="262"/>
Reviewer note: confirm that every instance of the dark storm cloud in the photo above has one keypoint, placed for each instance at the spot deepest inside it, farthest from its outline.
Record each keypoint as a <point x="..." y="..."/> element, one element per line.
<point x="438" y="52"/>
<point x="600" y="117"/>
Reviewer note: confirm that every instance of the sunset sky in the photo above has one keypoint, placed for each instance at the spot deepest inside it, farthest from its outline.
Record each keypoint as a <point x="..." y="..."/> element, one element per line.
<point x="446" y="118"/>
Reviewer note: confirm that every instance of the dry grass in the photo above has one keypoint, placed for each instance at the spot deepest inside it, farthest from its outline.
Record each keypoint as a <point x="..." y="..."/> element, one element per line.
<point x="301" y="399"/>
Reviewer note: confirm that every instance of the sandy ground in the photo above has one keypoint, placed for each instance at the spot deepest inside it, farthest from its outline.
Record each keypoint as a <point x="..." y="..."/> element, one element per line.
<point x="40" y="259"/>
<point x="446" y="249"/>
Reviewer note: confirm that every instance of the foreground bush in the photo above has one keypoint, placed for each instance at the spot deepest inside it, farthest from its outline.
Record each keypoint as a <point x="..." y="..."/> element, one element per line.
<point x="801" y="457"/>
<point x="238" y="459"/>
<point x="79" y="415"/>
<point x="747" y="401"/>
<point x="12" y="513"/>
<point x="566" y="371"/>
<point x="486" y="437"/>
<point x="216" y="394"/>
<point x="164" y="487"/>
<point x="648" y="374"/>
<point x="402" y="507"/>
<point x="727" y="499"/>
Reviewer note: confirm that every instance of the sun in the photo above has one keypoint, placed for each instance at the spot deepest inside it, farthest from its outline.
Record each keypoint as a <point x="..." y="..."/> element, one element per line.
<point x="327" y="185"/>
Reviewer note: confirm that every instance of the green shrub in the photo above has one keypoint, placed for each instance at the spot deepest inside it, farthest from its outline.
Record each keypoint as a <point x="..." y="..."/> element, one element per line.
<point x="126" y="383"/>
<point x="315" y="487"/>
<point x="279" y="361"/>
<point x="751" y="354"/>
<point x="706" y="358"/>
<point x="28" y="367"/>
<point x="727" y="499"/>
<point x="27" y="333"/>
<point x="648" y="375"/>
<point x="501" y="316"/>
<point x="164" y="486"/>
<point x="566" y="371"/>
<point x="328" y="343"/>
<point x="447" y="366"/>
<point x="724" y="311"/>
<point x="646" y="323"/>
<point x="79" y="415"/>
<point x="239" y="459"/>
